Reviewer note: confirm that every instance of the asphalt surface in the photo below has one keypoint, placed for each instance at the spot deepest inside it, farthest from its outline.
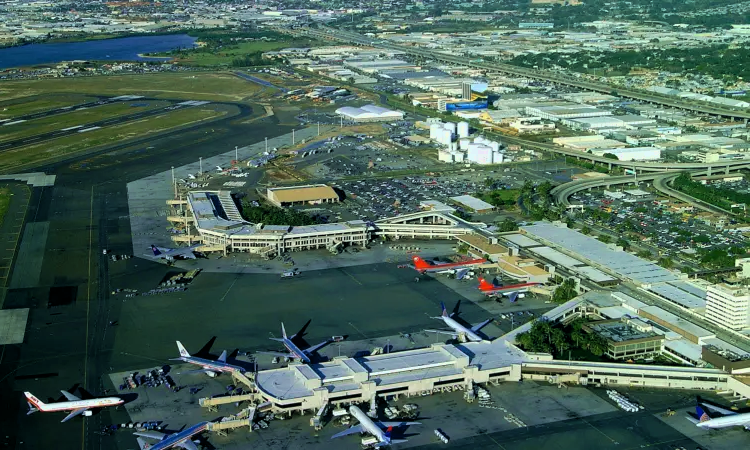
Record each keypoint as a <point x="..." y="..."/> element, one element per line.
<point x="102" y="100"/>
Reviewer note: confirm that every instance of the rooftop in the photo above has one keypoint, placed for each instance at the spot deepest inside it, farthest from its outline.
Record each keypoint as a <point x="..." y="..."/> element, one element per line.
<point x="617" y="331"/>
<point x="472" y="202"/>
<point x="303" y="193"/>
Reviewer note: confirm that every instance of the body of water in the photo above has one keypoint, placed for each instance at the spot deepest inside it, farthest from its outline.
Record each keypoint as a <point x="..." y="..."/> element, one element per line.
<point x="120" y="49"/>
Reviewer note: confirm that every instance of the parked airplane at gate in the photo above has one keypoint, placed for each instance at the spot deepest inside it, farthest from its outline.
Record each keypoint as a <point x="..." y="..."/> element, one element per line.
<point x="458" y="328"/>
<point x="209" y="366"/>
<point x="170" y="253"/>
<point x="380" y="430"/>
<point x="422" y="266"/>
<point x="180" y="439"/>
<point x="294" y="342"/>
<point x="74" y="404"/>
<point x="488" y="288"/>
<point x="725" y="417"/>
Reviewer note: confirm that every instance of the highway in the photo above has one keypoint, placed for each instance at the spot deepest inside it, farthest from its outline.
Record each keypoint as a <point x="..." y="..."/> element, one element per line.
<point x="85" y="127"/>
<point x="661" y="184"/>
<point x="556" y="78"/>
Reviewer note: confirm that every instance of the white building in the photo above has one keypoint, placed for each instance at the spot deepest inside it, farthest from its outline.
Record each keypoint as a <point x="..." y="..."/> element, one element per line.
<point x="565" y="111"/>
<point x="728" y="306"/>
<point x="369" y="113"/>
<point x="631" y="154"/>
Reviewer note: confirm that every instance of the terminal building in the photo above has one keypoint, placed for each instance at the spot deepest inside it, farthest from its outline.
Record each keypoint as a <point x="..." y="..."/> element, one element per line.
<point x="299" y="195"/>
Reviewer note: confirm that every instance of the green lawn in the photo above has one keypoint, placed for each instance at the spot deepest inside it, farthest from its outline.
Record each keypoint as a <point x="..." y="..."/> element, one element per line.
<point x="19" y="108"/>
<point x="74" y="118"/>
<point x="21" y="157"/>
<point x="4" y="203"/>
<point x="225" y="56"/>
<point x="211" y="86"/>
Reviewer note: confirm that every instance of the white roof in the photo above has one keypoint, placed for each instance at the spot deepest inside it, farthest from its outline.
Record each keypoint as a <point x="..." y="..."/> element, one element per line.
<point x="472" y="202"/>
<point x="521" y="240"/>
<point x="682" y="293"/>
<point x="556" y="257"/>
<point x="678" y="322"/>
<point x="368" y="112"/>
<point x="595" y="275"/>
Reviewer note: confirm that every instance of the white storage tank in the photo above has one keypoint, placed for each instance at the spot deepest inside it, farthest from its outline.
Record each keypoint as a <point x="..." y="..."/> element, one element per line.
<point x="463" y="129"/>
<point x="480" y="154"/>
<point x="459" y="157"/>
<point x="495" y="146"/>
<point x="450" y="126"/>
<point x="445" y="136"/>
<point x="463" y="143"/>
<point x="453" y="146"/>
<point x="434" y="129"/>
<point x="497" y="158"/>
<point x="445" y="156"/>
<point x="479" y="140"/>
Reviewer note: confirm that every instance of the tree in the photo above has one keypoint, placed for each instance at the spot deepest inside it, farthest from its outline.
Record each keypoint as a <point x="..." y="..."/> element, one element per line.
<point x="611" y="156"/>
<point x="507" y="225"/>
<point x="566" y="291"/>
<point x="624" y="243"/>
<point x="489" y="182"/>
<point x="666" y="262"/>
<point x="605" y="238"/>
<point x="645" y="254"/>
<point x="559" y="340"/>
<point x="585" y="229"/>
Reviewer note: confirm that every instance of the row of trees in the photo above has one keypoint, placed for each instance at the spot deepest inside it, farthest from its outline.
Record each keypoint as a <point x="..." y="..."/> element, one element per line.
<point x="723" y="197"/>
<point x="566" y="291"/>
<point x="272" y="215"/>
<point x="545" y="338"/>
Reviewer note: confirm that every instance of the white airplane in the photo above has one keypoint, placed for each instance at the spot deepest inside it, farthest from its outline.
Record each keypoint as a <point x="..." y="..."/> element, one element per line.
<point x="293" y="345"/>
<point x="727" y="418"/>
<point x="208" y="366"/>
<point x="170" y="253"/>
<point x="181" y="439"/>
<point x="380" y="430"/>
<point x="459" y="329"/>
<point x="74" y="404"/>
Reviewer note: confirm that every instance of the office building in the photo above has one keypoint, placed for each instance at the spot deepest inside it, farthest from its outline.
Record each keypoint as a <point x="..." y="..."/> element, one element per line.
<point x="728" y="306"/>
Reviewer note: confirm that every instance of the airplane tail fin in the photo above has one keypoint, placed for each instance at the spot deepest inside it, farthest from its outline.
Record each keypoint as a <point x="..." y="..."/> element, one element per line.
<point x="445" y="311"/>
<point x="484" y="285"/>
<point x="419" y="263"/>
<point x="513" y="297"/>
<point x="701" y="414"/>
<point x="183" y="351"/>
<point x="34" y="403"/>
<point x="155" y="250"/>
<point x="283" y="330"/>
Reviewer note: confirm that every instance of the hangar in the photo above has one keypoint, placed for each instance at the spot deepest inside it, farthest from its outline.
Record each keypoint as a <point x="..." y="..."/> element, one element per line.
<point x="369" y="113"/>
<point x="299" y="195"/>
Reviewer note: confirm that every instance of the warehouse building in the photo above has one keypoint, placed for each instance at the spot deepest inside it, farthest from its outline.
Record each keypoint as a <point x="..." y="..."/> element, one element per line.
<point x="566" y="111"/>
<point x="585" y="143"/>
<point x="473" y="203"/>
<point x="299" y="195"/>
<point x="631" y="154"/>
<point x="369" y="113"/>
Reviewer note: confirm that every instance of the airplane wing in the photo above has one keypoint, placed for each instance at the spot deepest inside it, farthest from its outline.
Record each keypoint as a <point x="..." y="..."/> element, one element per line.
<point x="720" y="410"/>
<point x="143" y="444"/>
<point x="187" y="445"/>
<point x="69" y="396"/>
<point x="74" y="413"/>
<point x="355" y="429"/>
<point x="461" y="273"/>
<point x="156" y="435"/>
<point x="450" y="332"/>
<point x="481" y="325"/>
<point x="315" y="348"/>
<point x="279" y="354"/>
<point x="398" y="424"/>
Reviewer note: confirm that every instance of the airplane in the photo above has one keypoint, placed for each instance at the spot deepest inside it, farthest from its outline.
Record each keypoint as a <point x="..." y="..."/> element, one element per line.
<point x="180" y="439"/>
<point x="367" y="425"/>
<point x="422" y="266"/>
<point x="74" y="404"/>
<point x="459" y="329"/>
<point x="488" y="288"/>
<point x="209" y="366"/>
<point x="170" y="253"/>
<point x="728" y="417"/>
<point x="292" y="344"/>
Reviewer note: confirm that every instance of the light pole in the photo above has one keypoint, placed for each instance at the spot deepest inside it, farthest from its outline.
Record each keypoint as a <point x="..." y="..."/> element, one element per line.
<point x="266" y="145"/>
<point x="174" y="184"/>
<point x="236" y="155"/>
<point x="200" y="165"/>
<point x="292" y="136"/>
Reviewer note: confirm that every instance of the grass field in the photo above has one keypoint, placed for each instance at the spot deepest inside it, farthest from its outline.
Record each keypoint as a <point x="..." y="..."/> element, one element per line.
<point x="211" y="86"/>
<point x="225" y="56"/>
<point x="4" y="203"/>
<point x="74" y="118"/>
<point x="21" y="157"/>
<point x="20" y="108"/>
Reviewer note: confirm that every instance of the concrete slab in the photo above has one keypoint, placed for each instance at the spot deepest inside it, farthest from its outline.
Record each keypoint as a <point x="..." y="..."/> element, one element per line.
<point x="13" y="325"/>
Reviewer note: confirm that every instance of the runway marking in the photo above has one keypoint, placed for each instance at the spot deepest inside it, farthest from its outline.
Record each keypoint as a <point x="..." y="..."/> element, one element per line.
<point x="228" y="289"/>
<point x="497" y="443"/>
<point x="600" y="431"/>
<point x="358" y="330"/>
<point x="352" y="277"/>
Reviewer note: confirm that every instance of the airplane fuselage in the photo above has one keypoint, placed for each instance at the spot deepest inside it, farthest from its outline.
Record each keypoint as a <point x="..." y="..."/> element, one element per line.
<point x="367" y="423"/>
<point x="458" y="328"/>
<point x="523" y="287"/>
<point x="174" y="440"/>
<point x="296" y="352"/>
<point x="449" y="266"/>
<point x="77" y="404"/>
<point x="726" y="421"/>
<point x="214" y="366"/>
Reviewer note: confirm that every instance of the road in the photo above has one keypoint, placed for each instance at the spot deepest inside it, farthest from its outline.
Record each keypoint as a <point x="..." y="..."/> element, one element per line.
<point x="661" y="184"/>
<point x="556" y="78"/>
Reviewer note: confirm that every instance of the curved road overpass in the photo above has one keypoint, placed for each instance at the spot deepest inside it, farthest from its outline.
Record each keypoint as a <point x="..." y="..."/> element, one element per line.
<point x="556" y="78"/>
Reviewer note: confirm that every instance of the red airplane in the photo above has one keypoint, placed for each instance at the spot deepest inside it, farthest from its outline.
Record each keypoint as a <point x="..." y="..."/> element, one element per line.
<point x="492" y="289"/>
<point x="422" y="266"/>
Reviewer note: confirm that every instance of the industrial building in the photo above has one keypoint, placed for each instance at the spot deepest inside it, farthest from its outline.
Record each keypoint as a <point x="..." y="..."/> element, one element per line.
<point x="631" y="154"/>
<point x="565" y="111"/>
<point x="473" y="204"/>
<point x="585" y="143"/>
<point x="369" y="113"/>
<point x="300" y="195"/>
<point x="628" y="338"/>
